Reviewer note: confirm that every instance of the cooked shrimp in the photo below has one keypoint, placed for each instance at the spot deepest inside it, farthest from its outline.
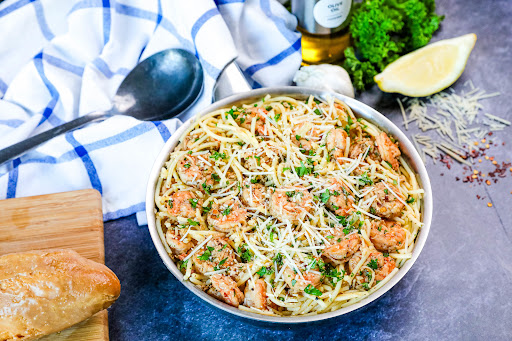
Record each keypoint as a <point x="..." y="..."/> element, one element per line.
<point x="382" y="266"/>
<point x="215" y="255"/>
<point x="225" y="288"/>
<point x="195" y="170"/>
<point x="386" y="204"/>
<point x="296" y="283"/>
<point x="253" y="195"/>
<point x="342" y="247"/>
<point x="177" y="246"/>
<point x="339" y="197"/>
<point x="183" y="204"/>
<point x="291" y="203"/>
<point x="258" y="114"/>
<point x="387" y="236"/>
<point x="336" y="142"/>
<point x="256" y="294"/>
<point x="359" y="146"/>
<point x="388" y="150"/>
<point x="227" y="216"/>
<point x="304" y="134"/>
<point x="238" y="270"/>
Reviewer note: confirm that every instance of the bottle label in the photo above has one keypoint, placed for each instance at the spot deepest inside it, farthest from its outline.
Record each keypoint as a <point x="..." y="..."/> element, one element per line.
<point x="331" y="13"/>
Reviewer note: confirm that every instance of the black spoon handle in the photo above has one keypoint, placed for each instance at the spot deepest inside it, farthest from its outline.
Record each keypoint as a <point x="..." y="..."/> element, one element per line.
<point x="26" y="145"/>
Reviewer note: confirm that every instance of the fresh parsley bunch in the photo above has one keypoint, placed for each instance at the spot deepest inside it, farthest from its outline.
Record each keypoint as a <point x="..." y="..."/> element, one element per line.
<point x="384" y="30"/>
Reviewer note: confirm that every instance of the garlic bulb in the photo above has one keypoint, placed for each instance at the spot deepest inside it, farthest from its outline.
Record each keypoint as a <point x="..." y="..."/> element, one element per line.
<point x="325" y="77"/>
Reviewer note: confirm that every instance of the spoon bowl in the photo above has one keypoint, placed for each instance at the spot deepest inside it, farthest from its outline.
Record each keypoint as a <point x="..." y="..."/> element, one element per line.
<point x="161" y="86"/>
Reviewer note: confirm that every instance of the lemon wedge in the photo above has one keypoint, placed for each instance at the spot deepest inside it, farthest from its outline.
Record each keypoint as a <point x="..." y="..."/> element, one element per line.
<point x="427" y="70"/>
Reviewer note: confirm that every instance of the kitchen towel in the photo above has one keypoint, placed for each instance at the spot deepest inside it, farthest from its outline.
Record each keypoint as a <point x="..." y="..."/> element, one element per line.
<point x="61" y="59"/>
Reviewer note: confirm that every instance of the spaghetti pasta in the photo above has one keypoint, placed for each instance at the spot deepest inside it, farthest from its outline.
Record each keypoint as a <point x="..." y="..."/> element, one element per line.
<point x="288" y="207"/>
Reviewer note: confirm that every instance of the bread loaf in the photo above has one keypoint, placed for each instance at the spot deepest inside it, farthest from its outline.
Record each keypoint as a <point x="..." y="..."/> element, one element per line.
<point x="43" y="292"/>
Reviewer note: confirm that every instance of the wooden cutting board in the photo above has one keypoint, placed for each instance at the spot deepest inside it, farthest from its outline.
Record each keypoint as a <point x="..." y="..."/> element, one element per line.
<point x="70" y="220"/>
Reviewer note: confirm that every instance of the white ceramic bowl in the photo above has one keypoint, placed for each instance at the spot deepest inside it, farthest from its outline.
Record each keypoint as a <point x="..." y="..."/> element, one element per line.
<point x="360" y="110"/>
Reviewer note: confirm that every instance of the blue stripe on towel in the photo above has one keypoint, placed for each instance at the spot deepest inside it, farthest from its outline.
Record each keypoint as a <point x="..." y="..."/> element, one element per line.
<point x="12" y="181"/>
<point x="280" y="23"/>
<point x="13" y="7"/>
<point x="106" y="22"/>
<point x="141" y="206"/>
<point x="274" y="60"/>
<point x="12" y="123"/>
<point x="47" y="113"/>
<point x="103" y="67"/>
<point x="62" y="64"/>
<point x="202" y="20"/>
<point x="87" y="161"/>
<point x="41" y="20"/>
<point x="3" y="88"/>
<point x="162" y="129"/>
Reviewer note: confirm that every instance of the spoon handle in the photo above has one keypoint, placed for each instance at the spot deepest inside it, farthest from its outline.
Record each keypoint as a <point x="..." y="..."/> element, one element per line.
<point x="19" y="148"/>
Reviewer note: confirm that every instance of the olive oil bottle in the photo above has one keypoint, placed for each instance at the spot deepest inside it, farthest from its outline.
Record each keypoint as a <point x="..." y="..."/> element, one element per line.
<point x="324" y="27"/>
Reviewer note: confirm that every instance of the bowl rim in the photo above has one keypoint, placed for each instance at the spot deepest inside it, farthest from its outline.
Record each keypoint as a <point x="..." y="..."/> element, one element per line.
<point x="361" y="110"/>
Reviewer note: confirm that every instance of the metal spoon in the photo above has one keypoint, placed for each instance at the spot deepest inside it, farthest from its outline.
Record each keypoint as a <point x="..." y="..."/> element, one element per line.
<point x="160" y="87"/>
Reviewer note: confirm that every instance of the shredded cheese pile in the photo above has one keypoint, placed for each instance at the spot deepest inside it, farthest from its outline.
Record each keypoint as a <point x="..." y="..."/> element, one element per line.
<point x="458" y="120"/>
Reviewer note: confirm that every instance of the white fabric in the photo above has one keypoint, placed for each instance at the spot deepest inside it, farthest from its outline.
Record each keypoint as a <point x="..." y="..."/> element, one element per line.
<point x="62" y="59"/>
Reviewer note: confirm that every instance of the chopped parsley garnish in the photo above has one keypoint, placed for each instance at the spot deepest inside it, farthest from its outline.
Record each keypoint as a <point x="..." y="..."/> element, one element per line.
<point x="365" y="179"/>
<point x="258" y="159"/>
<point x="222" y="261"/>
<point x="293" y="282"/>
<point x="215" y="177"/>
<point x="312" y="290"/>
<point x="297" y="137"/>
<point x="182" y="264"/>
<point x="318" y="112"/>
<point x="170" y="203"/>
<point x="372" y="210"/>
<point x="302" y="170"/>
<point x="410" y="200"/>
<point x="193" y="202"/>
<point x="325" y="196"/>
<point x="373" y="264"/>
<point x="193" y="223"/>
<point x="365" y="285"/>
<point x="389" y="164"/>
<point x="278" y="259"/>
<point x="290" y="194"/>
<point x="272" y="236"/>
<point x="207" y="188"/>
<point x="277" y="117"/>
<point x="244" y="253"/>
<point x="207" y="254"/>
<point x="264" y="271"/>
<point x="226" y="211"/>
<point x="268" y="108"/>
<point x="231" y="112"/>
<point x="187" y="165"/>
<point x="216" y="155"/>
<point x="280" y="298"/>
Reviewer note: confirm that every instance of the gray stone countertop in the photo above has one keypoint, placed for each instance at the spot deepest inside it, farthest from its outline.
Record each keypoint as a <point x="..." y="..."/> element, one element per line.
<point x="459" y="288"/>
